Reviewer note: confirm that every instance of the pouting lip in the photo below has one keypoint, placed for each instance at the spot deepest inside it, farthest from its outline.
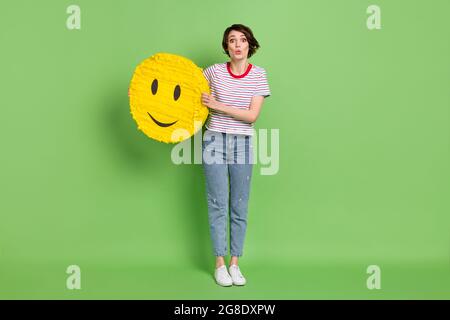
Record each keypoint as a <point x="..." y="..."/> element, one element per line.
<point x="162" y="124"/>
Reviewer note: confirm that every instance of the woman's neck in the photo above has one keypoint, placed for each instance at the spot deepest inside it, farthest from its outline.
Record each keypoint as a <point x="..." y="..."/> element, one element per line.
<point x="239" y="67"/>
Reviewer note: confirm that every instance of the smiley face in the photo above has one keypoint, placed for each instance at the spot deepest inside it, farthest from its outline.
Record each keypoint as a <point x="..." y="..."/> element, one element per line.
<point x="165" y="97"/>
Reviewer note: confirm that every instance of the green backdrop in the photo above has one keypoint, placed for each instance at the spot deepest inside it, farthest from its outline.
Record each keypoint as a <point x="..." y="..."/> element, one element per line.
<point x="363" y="117"/>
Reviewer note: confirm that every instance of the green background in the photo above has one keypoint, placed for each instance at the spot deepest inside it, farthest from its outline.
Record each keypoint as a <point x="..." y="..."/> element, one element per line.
<point x="364" y="152"/>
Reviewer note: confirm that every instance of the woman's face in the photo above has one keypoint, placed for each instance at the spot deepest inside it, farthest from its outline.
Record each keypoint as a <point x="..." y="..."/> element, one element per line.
<point x="237" y="45"/>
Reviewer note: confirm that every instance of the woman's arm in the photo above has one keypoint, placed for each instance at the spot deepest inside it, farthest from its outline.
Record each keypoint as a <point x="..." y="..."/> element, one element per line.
<point x="250" y="115"/>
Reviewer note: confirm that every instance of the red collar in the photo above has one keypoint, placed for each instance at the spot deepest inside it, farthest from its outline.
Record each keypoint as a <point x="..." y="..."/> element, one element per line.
<point x="240" y="76"/>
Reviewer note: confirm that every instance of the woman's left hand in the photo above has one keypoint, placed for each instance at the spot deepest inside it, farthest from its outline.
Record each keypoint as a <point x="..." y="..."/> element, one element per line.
<point x="209" y="101"/>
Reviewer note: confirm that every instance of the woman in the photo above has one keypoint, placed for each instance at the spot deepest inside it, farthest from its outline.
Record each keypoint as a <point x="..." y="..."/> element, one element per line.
<point x="238" y="89"/>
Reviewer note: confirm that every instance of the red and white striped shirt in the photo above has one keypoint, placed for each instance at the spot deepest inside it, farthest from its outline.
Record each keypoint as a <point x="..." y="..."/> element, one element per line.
<point x="235" y="91"/>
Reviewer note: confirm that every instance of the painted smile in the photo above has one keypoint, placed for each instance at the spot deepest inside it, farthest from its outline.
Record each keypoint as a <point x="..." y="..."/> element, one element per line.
<point x="162" y="124"/>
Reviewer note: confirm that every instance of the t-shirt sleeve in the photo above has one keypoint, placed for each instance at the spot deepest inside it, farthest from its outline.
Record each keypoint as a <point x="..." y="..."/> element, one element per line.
<point x="262" y="86"/>
<point x="209" y="73"/>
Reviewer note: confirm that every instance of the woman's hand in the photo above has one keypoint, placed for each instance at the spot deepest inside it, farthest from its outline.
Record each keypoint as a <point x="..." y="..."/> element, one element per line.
<point x="248" y="115"/>
<point x="209" y="101"/>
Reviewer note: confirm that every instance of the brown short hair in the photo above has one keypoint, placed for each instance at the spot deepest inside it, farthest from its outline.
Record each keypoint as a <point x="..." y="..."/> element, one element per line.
<point x="253" y="44"/>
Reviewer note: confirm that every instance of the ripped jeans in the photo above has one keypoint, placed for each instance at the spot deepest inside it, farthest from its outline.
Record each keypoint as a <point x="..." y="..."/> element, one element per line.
<point x="228" y="163"/>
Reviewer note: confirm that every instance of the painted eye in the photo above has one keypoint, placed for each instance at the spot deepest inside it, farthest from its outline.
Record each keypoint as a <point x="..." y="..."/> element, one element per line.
<point x="176" y="92"/>
<point x="155" y="86"/>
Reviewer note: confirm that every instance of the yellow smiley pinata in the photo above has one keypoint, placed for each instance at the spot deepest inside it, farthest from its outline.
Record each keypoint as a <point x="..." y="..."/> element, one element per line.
<point x="165" y="97"/>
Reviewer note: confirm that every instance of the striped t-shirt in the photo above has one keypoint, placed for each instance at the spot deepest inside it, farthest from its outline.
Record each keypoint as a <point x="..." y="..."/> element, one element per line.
<point x="235" y="91"/>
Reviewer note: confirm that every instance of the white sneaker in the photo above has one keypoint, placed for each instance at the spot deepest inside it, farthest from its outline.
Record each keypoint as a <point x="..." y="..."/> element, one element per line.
<point x="236" y="275"/>
<point x="222" y="277"/>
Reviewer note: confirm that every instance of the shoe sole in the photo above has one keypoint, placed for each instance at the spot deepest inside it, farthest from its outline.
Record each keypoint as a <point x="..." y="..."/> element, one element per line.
<point x="224" y="285"/>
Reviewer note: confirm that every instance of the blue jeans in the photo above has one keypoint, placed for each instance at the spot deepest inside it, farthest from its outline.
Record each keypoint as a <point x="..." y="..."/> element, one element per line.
<point x="228" y="163"/>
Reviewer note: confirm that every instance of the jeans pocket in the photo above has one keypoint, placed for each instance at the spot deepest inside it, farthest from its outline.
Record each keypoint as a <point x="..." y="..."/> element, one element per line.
<point x="211" y="143"/>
